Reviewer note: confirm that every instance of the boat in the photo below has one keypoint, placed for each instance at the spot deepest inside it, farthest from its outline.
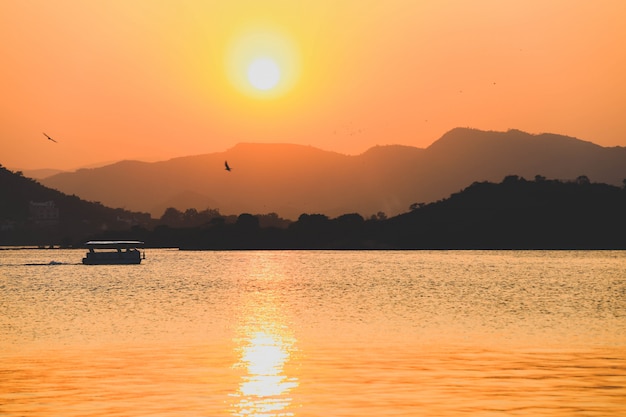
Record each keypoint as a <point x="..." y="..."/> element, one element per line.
<point x="113" y="252"/>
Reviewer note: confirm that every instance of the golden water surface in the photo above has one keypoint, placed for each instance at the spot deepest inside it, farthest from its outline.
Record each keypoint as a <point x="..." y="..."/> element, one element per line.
<point x="489" y="333"/>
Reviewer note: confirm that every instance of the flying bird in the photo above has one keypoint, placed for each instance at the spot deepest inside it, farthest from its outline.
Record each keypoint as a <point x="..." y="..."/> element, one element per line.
<point x="227" y="166"/>
<point x="49" y="138"/>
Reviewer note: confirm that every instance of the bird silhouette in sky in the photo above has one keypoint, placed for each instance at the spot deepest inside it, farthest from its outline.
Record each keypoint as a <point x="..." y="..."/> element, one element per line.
<point x="49" y="138"/>
<point x="227" y="166"/>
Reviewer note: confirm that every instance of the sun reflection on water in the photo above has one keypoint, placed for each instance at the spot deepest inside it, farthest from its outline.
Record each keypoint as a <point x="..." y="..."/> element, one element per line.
<point x="264" y="390"/>
<point x="265" y="347"/>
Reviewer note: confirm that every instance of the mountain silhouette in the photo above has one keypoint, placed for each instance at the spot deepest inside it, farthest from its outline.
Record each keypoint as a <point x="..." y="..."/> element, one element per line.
<point x="293" y="179"/>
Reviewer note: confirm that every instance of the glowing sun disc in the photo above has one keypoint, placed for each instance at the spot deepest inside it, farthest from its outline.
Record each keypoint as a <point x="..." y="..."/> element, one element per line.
<point x="263" y="74"/>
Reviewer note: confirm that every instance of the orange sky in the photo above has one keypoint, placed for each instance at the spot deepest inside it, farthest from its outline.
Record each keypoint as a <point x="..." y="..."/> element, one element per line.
<point x="155" y="79"/>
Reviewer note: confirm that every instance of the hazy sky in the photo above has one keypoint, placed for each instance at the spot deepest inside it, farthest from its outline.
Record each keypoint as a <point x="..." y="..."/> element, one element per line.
<point x="151" y="80"/>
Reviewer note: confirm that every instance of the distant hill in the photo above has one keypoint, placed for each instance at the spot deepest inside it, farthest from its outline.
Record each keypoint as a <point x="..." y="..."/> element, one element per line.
<point x="41" y="173"/>
<point x="32" y="214"/>
<point x="517" y="214"/>
<point x="293" y="179"/>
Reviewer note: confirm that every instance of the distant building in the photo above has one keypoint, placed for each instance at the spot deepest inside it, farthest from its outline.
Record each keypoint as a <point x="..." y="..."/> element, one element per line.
<point x="44" y="213"/>
<point x="7" y="225"/>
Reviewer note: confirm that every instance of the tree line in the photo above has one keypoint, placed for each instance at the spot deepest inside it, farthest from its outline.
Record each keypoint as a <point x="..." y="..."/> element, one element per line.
<point x="513" y="214"/>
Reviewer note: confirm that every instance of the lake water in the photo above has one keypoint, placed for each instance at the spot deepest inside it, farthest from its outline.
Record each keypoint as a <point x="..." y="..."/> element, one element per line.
<point x="314" y="333"/>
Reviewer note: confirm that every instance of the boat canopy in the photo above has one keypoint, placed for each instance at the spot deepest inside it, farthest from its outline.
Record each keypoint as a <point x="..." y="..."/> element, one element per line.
<point x="114" y="244"/>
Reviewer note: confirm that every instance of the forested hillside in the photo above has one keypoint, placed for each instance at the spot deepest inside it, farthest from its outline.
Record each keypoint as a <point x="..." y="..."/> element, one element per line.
<point x="31" y="214"/>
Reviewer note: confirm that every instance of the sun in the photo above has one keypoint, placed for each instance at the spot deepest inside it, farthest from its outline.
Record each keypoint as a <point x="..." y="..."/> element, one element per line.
<point x="262" y="62"/>
<point x="264" y="74"/>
